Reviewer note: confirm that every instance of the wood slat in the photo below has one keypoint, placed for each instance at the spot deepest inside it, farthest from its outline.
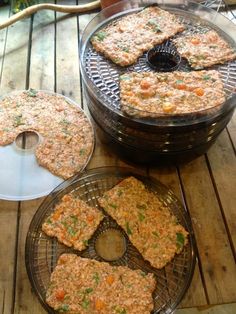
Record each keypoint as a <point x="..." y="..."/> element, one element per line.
<point x="211" y="309"/>
<point x="232" y="130"/>
<point x="26" y="300"/>
<point x="42" y="68"/>
<point x="67" y="62"/>
<point x="223" y="166"/>
<point x="41" y="77"/>
<point x="8" y="217"/>
<point x="195" y="295"/>
<point x="215" y="253"/>
<point x="13" y="64"/>
<point x="4" y="13"/>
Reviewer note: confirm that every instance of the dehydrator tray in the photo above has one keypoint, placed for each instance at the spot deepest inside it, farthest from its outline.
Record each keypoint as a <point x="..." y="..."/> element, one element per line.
<point x="17" y="159"/>
<point x="42" y="252"/>
<point x="168" y="137"/>
<point x="101" y="76"/>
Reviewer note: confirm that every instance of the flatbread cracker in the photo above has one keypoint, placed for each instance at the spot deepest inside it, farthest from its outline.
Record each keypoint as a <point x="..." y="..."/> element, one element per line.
<point x="204" y="50"/>
<point x="150" y="226"/>
<point x="126" y="39"/>
<point x="149" y="94"/>
<point x="73" y="222"/>
<point x="85" y="286"/>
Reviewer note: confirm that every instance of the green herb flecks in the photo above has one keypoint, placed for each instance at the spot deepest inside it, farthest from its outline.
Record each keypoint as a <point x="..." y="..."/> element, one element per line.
<point x="124" y="78"/>
<point x="206" y="77"/>
<point x="155" y="234"/>
<point x="65" y="224"/>
<point x="71" y="231"/>
<point x="82" y="152"/>
<point x="74" y="219"/>
<point x="32" y="92"/>
<point x="65" y="122"/>
<point x="155" y="26"/>
<point x="116" y="60"/>
<point x="48" y="221"/>
<point x="100" y="36"/>
<point x="66" y="131"/>
<point x="180" y="240"/>
<point x="123" y="47"/>
<point x="142" y="206"/>
<point x="200" y="57"/>
<point x="129" y="231"/>
<point x="142" y="273"/>
<point x="179" y="82"/>
<point x="119" y="192"/>
<point x="85" y="242"/>
<point x="96" y="278"/>
<point x="63" y="308"/>
<point x="88" y="290"/>
<point x="85" y="304"/>
<point x="6" y="129"/>
<point x="112" y="205"/>
<point x="121" y="311"/>
<point x="18" y="120"/>
<point x="141" y="217"/>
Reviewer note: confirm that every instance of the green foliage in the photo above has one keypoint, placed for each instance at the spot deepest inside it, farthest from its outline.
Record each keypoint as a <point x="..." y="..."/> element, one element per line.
<point x="18" y="5"/>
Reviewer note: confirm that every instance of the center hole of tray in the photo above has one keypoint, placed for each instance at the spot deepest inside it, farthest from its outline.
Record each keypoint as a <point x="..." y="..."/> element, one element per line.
<point x="27" y="140"/>
<point x="110" y="245"/>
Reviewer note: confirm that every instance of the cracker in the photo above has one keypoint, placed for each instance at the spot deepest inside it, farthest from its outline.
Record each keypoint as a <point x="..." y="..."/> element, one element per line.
<point x="80" y="285"/>
<point x="126" y="39"/>
<point x="205" y="50"/>
<point x="148" y="94"/>
<point x="149" y="224"/>
<point x="73" y="222"/>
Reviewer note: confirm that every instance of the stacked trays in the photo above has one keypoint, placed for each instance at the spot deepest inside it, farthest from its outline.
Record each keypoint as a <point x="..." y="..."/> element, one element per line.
<point x="168" y="137"/>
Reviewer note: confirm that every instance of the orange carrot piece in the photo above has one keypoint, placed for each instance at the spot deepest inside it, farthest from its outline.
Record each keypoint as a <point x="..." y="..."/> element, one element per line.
<point x="145" y="84"/>
<point x="199" y="91"/>
<point x="99" y="305"/>
<point x="60" y="294"/>
<point x="90" y="218"/>
<point x="181" y="86"/>
<point x="110" y="279"/>
<point x="195" y="41"/>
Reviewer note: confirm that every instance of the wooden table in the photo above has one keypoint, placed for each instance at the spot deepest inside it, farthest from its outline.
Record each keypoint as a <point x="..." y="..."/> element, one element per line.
<point x="42" y="53"/>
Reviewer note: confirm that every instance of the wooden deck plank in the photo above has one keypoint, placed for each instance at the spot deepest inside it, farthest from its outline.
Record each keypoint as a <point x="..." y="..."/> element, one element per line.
<point x="8" y="216"/>
<point x="223" y="166"/>
<point x="42" y="52"/>
<point x="215" y="253"/>
<point x="41" y="77"/>
<point x="232" y="130"/>
<point x="26" y="300"/>
<point x="195" y="295"/>
<point x="68" y="73"/>
<point x="13" y="68"/>
<point x="211" y="309"/>
<point x="4" y="12"/>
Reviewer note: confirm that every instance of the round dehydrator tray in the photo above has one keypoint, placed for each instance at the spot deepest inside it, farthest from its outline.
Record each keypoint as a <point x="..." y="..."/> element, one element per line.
<point x="19" y="164"/>
<point x="42" y="252"/>
<point x="165" y="135"/>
